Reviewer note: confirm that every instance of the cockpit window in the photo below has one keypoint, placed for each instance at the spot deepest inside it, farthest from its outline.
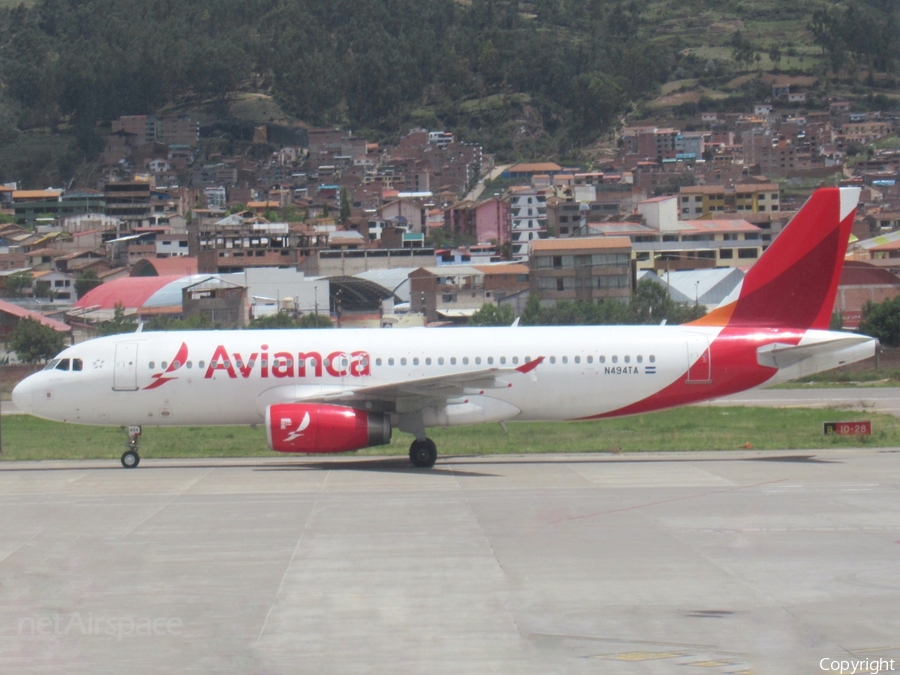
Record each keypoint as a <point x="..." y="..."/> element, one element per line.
<point x="63" y="364"/>
<point x="51" y="365"/>
<point x="77" y="364"/>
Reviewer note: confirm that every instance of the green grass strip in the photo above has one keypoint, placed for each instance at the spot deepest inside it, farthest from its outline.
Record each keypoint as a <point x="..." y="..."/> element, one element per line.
<point x="693" y="428"/>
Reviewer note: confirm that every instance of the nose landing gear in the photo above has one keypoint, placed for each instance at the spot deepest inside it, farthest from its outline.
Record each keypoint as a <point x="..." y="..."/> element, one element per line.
<point x="131" y="458"/>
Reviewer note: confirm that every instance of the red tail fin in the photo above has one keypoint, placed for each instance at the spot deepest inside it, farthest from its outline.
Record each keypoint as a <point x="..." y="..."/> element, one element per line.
<point x="794" y="283"/>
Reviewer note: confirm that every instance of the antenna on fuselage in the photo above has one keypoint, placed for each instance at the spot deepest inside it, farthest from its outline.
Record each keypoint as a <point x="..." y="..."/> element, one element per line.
<point x="140" y="327"/>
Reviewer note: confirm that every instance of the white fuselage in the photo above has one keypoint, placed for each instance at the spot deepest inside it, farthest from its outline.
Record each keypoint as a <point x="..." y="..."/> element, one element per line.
<point x="230" y="377"/>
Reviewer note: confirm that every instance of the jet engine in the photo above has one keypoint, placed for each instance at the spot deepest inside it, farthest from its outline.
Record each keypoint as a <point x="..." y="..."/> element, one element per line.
<point x="314" y="427"/>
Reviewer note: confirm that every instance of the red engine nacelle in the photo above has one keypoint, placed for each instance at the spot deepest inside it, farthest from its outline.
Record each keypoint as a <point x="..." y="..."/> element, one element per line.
<point x="300" y="427"/>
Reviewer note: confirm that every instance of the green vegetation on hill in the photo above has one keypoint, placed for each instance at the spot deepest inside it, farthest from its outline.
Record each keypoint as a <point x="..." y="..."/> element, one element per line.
<point x="525" y="78"/>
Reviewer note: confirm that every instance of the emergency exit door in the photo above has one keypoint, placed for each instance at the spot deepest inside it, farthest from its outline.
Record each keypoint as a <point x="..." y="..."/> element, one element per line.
<point x="699" y="361"/>
<point x="125" y="369"/>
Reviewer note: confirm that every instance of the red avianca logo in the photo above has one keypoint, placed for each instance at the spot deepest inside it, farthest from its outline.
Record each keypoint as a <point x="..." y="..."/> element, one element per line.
<point x="278" y="365"/>
<point x="180" y="359"/>
<point x="289" y="364"/>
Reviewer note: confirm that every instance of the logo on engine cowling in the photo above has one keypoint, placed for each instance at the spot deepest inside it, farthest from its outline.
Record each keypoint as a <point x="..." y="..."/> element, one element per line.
<point x="298" y="432"/>
<point x="285" y="364"/>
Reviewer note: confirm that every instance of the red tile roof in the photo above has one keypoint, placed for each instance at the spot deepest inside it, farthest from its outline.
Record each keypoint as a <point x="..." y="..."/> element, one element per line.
<point x="129" y="292"/>
<point x="15" y="310"/>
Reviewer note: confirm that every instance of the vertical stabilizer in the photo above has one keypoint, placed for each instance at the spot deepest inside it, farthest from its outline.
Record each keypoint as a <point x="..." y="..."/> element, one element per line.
<point x="794" y="283"/>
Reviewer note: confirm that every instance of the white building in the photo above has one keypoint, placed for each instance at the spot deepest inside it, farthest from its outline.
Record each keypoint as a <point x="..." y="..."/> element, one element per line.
<point x="528" y="213"/>
<point x="660" y="213"/>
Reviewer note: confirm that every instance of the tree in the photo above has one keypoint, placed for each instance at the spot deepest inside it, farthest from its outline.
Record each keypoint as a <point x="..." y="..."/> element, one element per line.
<point x="882" y="320"/>
<point x="86" y="282"/>
<point x="741" y="48"/>
<point x="315" y="321"/>
<point x="492" y="315"/>
<point x="42" y="289"/>
<point x="837" y="320"/>
<point x="18" y="282"/>
<point x="345" y="206"/>
<point x="651" y="303"/>
<point x="119" y="323"/>
<point x="195" y="322"/>
<point x="33" y="341"/>
<point x="286" y="320"/>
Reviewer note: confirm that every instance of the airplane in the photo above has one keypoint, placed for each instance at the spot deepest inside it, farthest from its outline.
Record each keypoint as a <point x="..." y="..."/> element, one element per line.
<point x="325" y="391"/>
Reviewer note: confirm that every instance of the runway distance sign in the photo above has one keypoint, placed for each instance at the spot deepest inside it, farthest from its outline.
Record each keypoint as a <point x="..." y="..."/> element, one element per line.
<point x="863" y="428"/>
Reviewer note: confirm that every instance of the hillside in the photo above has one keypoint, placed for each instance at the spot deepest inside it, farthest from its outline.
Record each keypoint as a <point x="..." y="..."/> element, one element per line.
<point x="525" y="79"/>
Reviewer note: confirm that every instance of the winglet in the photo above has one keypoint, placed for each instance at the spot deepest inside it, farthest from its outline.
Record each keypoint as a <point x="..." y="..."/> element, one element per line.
<point x="794" y="283"/>
<point x="531" y="365"/>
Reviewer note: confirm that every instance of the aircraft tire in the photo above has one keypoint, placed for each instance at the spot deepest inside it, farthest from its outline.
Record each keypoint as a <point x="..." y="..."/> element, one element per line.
<point x="130" y="459"/>
<point x="423" y="454"/>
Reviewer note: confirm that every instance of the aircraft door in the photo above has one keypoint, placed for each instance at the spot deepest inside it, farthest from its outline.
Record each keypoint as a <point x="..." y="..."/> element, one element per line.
<point x="699" y="361"/>
<point x="125" y="369"/>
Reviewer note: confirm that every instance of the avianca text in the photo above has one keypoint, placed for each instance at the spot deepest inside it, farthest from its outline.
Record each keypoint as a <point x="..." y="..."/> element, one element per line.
<point x="288" y="364"/>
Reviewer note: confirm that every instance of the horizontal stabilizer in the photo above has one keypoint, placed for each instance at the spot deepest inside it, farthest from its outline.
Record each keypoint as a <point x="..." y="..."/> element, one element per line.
<point x="781" y="355"/>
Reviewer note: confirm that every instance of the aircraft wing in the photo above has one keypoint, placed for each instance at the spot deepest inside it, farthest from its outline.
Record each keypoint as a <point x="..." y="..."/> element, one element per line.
<point x="412" y="395"/>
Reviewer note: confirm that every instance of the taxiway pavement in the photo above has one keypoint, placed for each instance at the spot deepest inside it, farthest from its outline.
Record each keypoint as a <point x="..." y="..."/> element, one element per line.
<point x="691" y="563"/>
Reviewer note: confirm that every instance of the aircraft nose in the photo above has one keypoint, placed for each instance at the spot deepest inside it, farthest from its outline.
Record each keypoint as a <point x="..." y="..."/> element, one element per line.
<point x="22" y="394"/>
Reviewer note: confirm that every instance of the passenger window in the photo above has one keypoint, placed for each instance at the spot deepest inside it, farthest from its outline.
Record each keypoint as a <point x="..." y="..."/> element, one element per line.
<point x="515" y="360"/>
<point x="77" y="364"/>
<point x="552" y="359"/>
<point x="577" y="359"/>
<point x="378" y="361"/>
<point x="502" y="360"/>
<point x="652" y="359"/>
<point x="477" y="360"/>
<point x="640" y="359"/>
<point x="590" y="359"/>
<point x="615" y="359"/>
<point x="452" y="360"/>
<point x="565" y="359"/>
<point x="465" y="360"/>
<point x="390" y="362"/>
<point x="602" y="359"/>
<point x="164" y="364"/>
<point x="403" y="361"/>
<point x="527" y="359"/>
<point x="627" y="359"/>
<point x="440" y="360"/>
<point x="190" y="365"/>
<point x="152" y="365"/>
<point x="416" y="361"/>
<point x="200" y="364"/>
<point x="428" y="361"/>
<point x="490" y="360"/>
<point x="63" y="364"/>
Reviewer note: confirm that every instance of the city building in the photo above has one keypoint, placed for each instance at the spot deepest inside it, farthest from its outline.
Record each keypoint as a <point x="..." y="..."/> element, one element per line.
<point x="583" y="268"/>
<point x="709" y="201"/>
<point x="528" y="218"/>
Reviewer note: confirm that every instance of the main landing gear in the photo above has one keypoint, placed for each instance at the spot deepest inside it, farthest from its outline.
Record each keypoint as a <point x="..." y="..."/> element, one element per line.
<point x="131" y="458"/>
<point x="423" y="454"/>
